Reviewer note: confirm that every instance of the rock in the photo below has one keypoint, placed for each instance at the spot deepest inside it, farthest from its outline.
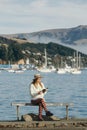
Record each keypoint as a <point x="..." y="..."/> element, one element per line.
<point x="49" y="126"/>
<point x="41" y="124"/>
<point x="27" y="117"/>
<point x="54" y="118"/>
<point x="34" y="117"/>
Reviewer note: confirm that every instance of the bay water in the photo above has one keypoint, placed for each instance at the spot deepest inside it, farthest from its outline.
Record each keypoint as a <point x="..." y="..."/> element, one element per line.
<point x="62" y="88"/>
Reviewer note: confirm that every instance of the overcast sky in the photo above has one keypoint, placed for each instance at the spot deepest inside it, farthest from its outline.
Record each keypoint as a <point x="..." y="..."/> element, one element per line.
<point x="24" y="16"/>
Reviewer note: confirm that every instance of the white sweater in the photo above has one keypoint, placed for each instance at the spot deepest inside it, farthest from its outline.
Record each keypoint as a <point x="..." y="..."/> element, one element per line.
<point x="34" y="91"/>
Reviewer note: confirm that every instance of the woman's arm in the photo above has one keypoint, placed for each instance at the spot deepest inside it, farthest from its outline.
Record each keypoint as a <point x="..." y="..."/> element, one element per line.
<point x="32" y="91"/>
<point x="44" y="90"/>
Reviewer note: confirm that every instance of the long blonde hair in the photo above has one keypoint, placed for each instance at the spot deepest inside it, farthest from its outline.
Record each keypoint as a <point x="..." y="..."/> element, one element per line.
<point x="34" y="82"/>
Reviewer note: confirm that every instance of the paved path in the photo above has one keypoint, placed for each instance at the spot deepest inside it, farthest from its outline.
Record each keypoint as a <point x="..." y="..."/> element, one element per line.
<point x="72" y="124"/>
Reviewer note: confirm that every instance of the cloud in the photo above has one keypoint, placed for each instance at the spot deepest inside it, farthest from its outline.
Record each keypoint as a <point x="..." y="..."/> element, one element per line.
<point x="35" y="15"/>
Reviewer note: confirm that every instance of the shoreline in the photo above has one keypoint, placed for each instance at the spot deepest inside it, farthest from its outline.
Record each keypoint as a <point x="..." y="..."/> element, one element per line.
<point x="71" y="124"/>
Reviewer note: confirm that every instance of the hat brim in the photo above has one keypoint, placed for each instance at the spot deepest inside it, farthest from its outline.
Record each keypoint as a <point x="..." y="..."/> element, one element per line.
<point x="38" y="77"/>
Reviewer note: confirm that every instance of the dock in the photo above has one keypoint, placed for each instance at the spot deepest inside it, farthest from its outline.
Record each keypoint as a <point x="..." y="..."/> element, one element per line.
<point x="72" y="124"/>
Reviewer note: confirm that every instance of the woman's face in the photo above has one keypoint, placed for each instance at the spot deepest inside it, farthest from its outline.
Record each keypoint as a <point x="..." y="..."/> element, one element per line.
<point x="39" y="80"/>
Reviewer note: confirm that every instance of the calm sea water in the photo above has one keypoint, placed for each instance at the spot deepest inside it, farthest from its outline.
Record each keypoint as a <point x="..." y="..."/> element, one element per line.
<point x="62" y="88"/>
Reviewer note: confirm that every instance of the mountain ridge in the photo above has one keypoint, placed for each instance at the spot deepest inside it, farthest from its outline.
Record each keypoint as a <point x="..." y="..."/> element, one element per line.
<point x="75" y="37"/>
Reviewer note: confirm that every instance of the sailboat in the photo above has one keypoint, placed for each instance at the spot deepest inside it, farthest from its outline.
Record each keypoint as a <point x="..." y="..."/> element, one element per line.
<point x="61" y="70"/>
<point x="44" y="68"/>
<point x="76" y="70"/>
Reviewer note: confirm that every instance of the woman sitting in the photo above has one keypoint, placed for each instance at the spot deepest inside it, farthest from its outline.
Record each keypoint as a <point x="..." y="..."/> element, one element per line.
<point x="37" y="91"/>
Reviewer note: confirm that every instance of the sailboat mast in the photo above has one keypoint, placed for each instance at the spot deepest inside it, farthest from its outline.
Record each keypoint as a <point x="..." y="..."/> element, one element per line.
<point x="77" y="59"/>
<point x="74" y="60"/>
<point x="45" y="58"/>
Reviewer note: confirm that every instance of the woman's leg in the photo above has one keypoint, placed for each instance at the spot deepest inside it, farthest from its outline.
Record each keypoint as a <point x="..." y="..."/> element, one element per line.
<point x="42" y="105"/>
<point x="40" y="110"/>
<point x="40" y="102"/>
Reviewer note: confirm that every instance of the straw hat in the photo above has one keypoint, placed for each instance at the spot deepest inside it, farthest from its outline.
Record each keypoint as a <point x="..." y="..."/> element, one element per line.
<point x="37" y="76"/>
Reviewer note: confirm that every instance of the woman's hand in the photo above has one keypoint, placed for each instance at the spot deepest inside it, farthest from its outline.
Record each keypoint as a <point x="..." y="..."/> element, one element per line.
<point x="40" y="92"/>
<point x="44" y="90"/>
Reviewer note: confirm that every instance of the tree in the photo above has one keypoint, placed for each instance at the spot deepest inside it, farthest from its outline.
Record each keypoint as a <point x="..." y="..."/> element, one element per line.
<point x="3" y="52"/>
<point x="14" y="52"/>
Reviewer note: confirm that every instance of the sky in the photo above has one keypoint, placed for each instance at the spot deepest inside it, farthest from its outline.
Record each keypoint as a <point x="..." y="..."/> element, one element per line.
<point x="25" y="16"/>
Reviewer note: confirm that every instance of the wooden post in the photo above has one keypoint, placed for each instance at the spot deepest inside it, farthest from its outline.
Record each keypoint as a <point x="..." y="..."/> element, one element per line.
<point x="66" y="112"/>
<point x="18" y="113"/>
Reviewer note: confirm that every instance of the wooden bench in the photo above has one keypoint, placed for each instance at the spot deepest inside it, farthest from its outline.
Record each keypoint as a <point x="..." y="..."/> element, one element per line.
<point x="20" y="104"/>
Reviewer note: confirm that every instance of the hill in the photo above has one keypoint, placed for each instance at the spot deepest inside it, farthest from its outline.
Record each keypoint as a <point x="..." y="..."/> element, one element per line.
<point x="75" y="38"/>
<point x="11" y="50"/>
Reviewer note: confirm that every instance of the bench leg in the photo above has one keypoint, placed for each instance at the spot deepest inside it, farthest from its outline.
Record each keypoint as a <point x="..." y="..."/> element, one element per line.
<point x="66" y="112"/>
<point x="17" y="110"/>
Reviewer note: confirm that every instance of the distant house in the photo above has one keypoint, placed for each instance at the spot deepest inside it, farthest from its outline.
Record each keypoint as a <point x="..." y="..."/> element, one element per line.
<point x="2" y="61"/>
<point x="21" y="62"/>
<point x="39" y="54"/>
<point x="28" y="51"/>
<point x="27" y="61"/>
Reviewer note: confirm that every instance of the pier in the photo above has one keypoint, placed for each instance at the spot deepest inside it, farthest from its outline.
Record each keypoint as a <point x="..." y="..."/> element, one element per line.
<point x="72" y="124"/>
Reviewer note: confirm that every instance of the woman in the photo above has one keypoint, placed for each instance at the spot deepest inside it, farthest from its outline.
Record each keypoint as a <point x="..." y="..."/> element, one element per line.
<point x="37" y="91"/>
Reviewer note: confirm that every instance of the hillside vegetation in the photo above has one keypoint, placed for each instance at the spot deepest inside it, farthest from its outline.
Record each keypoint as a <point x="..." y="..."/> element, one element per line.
<point x="11" y="50"/>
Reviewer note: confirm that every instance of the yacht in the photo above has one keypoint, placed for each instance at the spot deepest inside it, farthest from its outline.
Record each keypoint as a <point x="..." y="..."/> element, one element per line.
<point x="18" y="71"/>
<point x="61" y="71"/>
<point x="11" y="70"/>
<point x="44" y="68"/>
<point x="77" y="70"/>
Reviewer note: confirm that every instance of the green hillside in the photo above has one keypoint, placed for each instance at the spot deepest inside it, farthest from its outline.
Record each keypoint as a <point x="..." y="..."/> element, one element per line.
<point x="11" y="50"/>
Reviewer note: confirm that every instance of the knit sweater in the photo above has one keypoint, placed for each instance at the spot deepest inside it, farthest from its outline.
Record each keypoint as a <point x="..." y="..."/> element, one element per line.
<point x="34" y="91"/>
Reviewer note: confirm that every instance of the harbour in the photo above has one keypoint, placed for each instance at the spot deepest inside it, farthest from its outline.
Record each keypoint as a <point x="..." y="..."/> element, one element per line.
<point x="43" y="65"/>
<point x="61" y="88"/>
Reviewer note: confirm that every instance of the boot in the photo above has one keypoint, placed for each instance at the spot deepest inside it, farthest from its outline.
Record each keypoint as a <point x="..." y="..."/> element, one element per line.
<point x="48" y="113"/>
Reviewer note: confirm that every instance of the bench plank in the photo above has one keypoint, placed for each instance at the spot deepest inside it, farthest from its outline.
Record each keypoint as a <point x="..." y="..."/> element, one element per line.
<point x="47" y="103"/>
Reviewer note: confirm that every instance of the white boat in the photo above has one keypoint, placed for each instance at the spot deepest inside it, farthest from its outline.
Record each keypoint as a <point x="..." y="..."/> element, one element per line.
<point x="12" y="67"/>
<point x="18" y="71"/>
<point x="15" y="69"/>
<point x="68" y="68"/>
<point x="11" y="70"/>
<point x="61" y="71"/>
<point x="53" y="69"/>
<point x="77" y="70"/>
<point x="44" y="68"/>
